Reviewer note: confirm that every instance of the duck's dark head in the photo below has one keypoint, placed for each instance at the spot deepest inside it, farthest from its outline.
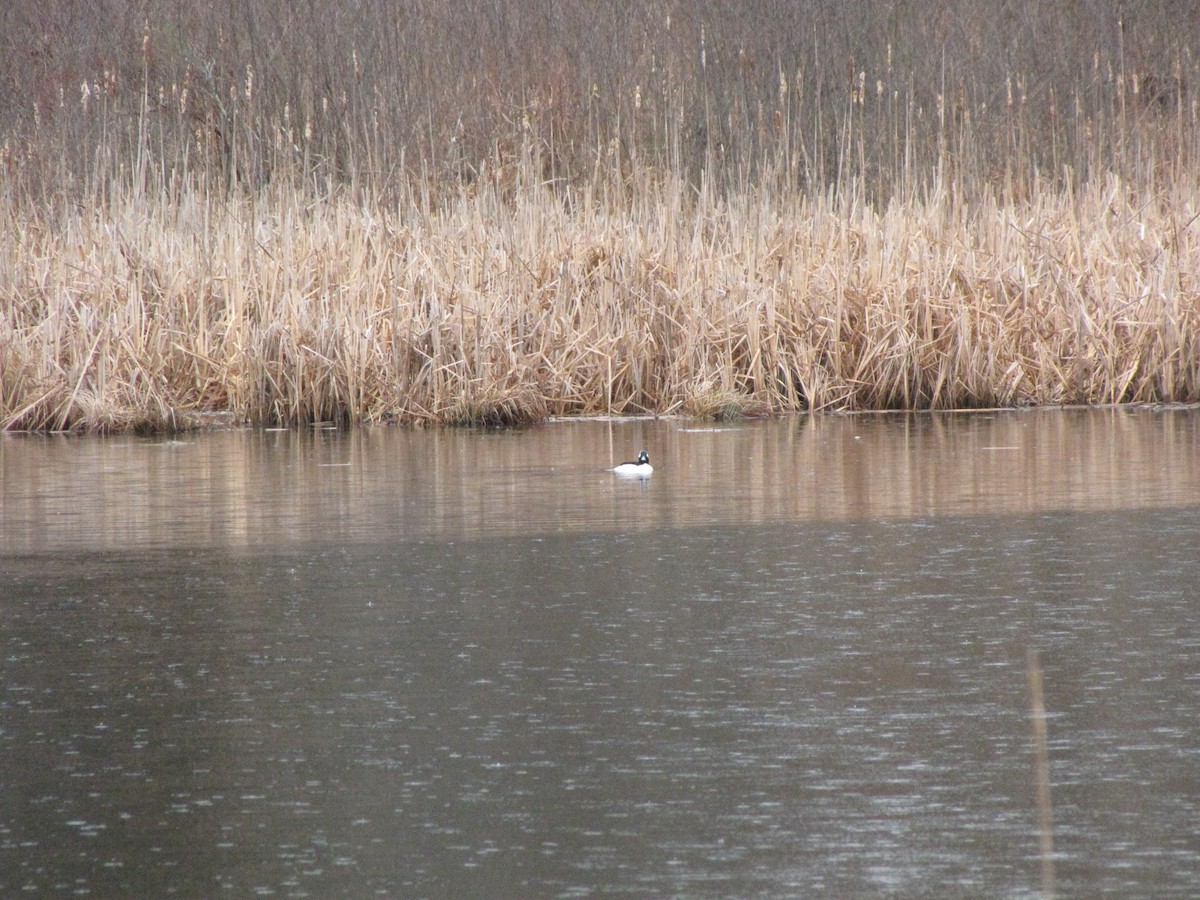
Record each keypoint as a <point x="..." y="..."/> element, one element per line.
<point x="643" y="458"/>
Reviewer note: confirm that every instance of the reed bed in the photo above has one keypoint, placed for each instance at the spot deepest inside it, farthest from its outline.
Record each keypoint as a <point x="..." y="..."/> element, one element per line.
<point x="505" y="309"/>
<point x="875" y="250"/>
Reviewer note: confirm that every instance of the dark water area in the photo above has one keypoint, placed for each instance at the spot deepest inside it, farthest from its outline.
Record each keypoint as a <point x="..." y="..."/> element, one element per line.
<point x="794" y="661"/>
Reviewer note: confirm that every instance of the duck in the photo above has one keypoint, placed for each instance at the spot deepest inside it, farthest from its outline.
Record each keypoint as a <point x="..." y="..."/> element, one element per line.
<point x="640" y="467"/>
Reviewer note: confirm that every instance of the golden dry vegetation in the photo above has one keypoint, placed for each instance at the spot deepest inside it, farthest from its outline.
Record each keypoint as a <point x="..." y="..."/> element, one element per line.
<point x="723" y="232"/>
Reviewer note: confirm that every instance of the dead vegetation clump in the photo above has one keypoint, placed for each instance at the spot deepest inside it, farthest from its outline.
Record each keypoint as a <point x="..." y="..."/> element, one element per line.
<point x="716" y="227"/>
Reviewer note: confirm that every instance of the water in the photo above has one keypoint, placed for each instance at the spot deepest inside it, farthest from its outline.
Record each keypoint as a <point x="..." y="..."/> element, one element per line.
<point x="449" y="663"/>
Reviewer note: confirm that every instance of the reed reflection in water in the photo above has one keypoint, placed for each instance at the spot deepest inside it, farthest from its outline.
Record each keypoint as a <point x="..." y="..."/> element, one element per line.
<point x="794" y="661"/>
<point x="254" y="489"/>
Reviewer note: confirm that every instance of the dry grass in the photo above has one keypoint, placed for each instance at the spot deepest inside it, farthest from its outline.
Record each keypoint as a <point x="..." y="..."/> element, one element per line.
<point x="711" y="235"/>
<point x="508" y="306"/>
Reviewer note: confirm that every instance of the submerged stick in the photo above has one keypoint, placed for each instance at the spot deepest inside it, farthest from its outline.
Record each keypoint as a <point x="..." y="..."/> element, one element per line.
<point x="1037" y="713"/>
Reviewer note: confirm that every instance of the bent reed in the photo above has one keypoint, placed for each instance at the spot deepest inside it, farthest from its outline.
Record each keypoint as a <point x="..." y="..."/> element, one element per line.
<point x="161" y="285"/>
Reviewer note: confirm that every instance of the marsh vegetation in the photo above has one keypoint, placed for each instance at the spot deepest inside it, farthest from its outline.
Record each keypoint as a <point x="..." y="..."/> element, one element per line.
<point x="496" y="212"/>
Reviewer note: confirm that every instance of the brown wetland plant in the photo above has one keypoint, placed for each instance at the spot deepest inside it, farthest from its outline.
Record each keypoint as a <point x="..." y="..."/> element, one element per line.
<point x="492" y="213"/>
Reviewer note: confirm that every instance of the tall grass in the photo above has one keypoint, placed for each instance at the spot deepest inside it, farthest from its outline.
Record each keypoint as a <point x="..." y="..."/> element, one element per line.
<point x="690" y="208"/>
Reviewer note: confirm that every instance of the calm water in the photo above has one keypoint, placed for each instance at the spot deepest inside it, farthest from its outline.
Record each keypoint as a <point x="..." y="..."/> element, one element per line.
<point x="447" y="664"/>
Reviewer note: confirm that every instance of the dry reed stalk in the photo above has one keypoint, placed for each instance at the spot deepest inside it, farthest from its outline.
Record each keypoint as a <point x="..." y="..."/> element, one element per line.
<point x="1045" y="810"/>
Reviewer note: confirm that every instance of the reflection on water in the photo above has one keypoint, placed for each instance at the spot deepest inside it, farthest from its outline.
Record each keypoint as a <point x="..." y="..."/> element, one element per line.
<point x="454" y="664"/>
<point x="255" y="490"/>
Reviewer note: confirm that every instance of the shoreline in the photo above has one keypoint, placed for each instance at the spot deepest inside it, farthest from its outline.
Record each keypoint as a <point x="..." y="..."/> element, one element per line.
<point x="213" y="423"/>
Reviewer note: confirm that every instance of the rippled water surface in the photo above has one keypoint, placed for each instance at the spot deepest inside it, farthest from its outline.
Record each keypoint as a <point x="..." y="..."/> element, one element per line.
<point x="794" y="661"/>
